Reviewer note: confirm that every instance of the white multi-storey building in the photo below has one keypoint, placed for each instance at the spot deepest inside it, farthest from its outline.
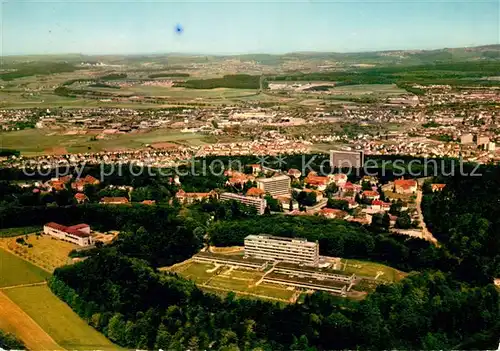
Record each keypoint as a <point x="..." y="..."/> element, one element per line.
<point x="77" y="234"/>
<point x="279" y="185"/>
<point x="293" y="250"/>
<point x="258" y="203"/>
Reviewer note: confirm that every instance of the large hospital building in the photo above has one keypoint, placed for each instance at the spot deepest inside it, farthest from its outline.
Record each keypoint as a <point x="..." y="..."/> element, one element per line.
<point x="258" y="203"/>
<point x="292" y="250"/>
<point x="279" y="185"/>
<point x="347" y="159"/>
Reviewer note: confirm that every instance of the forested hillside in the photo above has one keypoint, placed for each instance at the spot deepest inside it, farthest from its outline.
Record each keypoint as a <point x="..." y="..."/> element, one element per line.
<point x="465" y="217"/>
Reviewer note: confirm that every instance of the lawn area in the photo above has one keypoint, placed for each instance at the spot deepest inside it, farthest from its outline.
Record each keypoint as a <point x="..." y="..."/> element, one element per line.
<point x="58" y="320"/>
<point x="272" y="291"/>
<point x="238" y="280"/>
<point x="16" y="271"/>
<point x="10" y="232"/>
<point x="371" y="270"/>
<point x="14" y="320"/>
<point x="46" y="251"/>
<point x="196" y="272"/>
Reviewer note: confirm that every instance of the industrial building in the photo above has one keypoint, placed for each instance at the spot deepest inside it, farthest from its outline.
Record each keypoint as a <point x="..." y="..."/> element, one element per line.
<point x="279" y="185"/>
<point x="347" y="159"/>
<point x="256" y="202"/>
<point x="292" y="250"/>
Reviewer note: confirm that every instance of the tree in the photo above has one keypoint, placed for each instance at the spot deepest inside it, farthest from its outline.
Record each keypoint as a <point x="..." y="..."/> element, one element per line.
<point x="338" y="204"/>
<point x="366" y="185"/>
<point x="331" y="189"/>
<point x="267" y="210"/>
<point x="403" y="221"/>
<point x="306" y="198"/>
<point x="290" y="205"/>
<point x="116" y="329"/>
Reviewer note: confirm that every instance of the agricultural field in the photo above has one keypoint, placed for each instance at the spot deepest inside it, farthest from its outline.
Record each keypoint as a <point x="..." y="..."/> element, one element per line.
<point x="16" y="271"/>
<point x="363" y="89"/>
<point x="57" y="319"/>
<point x="14" y="320"/>
<point x="32" y="142"/>
<point x="224" y="279"/>
<point x="46" y="252"/>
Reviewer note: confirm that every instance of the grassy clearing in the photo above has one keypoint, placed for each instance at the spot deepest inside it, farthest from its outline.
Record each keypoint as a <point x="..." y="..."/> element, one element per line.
<point x="14" y="320"/>
<point x="10" y="232"/>
<point x="46" y="252"/>
<point x="196" y="272"/>
<point x="16" y="271"/>
<point x="33" y="142"/>
<point x="58" y="320"/>
<point x="371" y="270"/>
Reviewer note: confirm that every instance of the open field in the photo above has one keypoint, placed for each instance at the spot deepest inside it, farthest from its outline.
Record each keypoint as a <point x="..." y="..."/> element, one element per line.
<point x="33" y="142"/>
<point x="363" y="89"/>
<point x="47" y="252"/>
<point x="57" y="319"/>
<point x="16" y="271"/>
<point x="14" y="320"/>
<point x="372" y="270"/>
<point x="10" y="232"/>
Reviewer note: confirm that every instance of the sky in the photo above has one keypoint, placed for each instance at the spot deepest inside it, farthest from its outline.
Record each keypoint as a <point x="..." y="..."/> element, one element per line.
<point x="236" y="27"/>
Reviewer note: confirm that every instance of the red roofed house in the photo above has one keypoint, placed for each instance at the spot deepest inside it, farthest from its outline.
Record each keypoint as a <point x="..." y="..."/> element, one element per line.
<point x="438" y="187"/>
<point x="80" y="183"/>
<point x="381" y="205"/>
<point x="319" y="194"/>
<point x="405" y="186"/>
<point x="148" y="202"/>
<point x="293" y="172"/>
<point x="339" y="178"/>
<point x="58" y="184"/>
<point x="256" y="168"/>
<point x="114" y="201"/>
<point x="81" y="197"/>
<point x="370" y="195"/>
<point x="189" y="198"/>
<point x="77" y="234"/>
<point x="255" y="192"/>
<point x="349" y="187"/>
<point x="317" y="181"/>
<point x="333" y="213"/>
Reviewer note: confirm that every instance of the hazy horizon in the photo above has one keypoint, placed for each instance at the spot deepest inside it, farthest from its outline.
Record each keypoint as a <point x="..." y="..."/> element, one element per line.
<point x="236" y="28"/>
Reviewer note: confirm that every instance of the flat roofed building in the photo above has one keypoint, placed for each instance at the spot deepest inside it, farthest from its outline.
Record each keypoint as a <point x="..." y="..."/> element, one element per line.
<point x="347" y="159"/>
<point x="332" y="286"/>
<point x="231" y="260"/>
<point x="77" y="234"/>
<point x="279" y="185"/>
<point x="256" y="202"/>
<point x="293" y="250"/>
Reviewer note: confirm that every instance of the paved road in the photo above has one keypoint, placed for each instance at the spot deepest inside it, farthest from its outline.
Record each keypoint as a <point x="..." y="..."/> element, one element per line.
<point x="427" y="235"/>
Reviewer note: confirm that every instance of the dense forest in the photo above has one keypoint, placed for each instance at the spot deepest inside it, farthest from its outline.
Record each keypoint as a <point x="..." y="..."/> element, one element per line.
<point x="10" y="342"/>
<point x="36" y="68"/>
<point x="452" y="73"/>
<point x="465" y="217"/>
